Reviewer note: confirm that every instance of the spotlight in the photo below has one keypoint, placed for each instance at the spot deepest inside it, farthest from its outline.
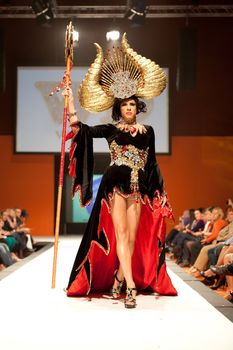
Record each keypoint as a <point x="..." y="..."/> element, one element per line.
<point x="75" y="36"/>
<point x="113" y="35"/>
<point x="43" y="10"/>
<point x="136" y="11"/>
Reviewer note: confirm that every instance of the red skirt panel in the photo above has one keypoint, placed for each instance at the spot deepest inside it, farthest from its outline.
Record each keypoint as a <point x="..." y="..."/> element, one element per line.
<point x="148" y="262"/>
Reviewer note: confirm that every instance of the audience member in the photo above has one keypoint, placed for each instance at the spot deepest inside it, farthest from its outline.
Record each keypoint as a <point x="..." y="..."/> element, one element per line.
<point x="192" y="245"/>
<point x="218" y="224"/>
<point x="188" y="234"/>
<point x="185" y="221"/>
<point x="15" y="239"/>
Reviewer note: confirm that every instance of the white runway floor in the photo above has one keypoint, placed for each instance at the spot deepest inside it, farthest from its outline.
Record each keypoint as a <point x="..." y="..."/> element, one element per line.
<point x="36" y="317"/>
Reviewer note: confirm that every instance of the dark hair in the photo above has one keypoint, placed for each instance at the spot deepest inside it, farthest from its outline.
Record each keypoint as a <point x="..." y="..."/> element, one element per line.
<point x="191" y="215"/>
<point x="116" y="109"/>
<point x="24" y="213"/>
<point x="201" y="210"/>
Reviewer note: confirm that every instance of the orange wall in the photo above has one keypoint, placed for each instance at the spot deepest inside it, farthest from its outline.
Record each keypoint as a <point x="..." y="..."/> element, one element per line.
<point x="198" y="173"/>
<point x="26" y="181"/>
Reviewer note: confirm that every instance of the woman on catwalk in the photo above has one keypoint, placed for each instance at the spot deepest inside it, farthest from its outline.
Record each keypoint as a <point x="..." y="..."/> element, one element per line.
<point x="124" y="237"/>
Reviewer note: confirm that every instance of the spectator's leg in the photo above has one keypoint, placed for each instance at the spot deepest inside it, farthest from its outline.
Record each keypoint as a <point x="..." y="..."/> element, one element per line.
<point x="186" y="254"/>
<point x="225" y="250"/>
<point x="170" y="237"/>
<point x="213" y="254"/>
<point x="201" y="262"/>
<point x="178" y="249"/>
<point x="194" y="248"/>
<point x="5" y="255"/>
<point x="228" y="259"/>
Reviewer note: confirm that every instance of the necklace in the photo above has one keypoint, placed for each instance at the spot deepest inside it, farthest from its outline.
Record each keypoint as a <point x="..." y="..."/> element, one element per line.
<point x="132" y="128"/>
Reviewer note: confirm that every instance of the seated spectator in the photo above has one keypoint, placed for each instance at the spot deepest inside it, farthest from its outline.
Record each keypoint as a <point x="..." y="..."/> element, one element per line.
<point x="5" y="255"/>
<point x="10" y="226"/>
<point x="209" y="276"/>
<point x="21" y="216"/>
<point x="192" y="246"/>
<point x="188" y="234"/>
<point x="185" y="221"/>
<point x="219" y="223"/>
<point x="226" y="270"/>
<point x="9" y="241"/>
<point x="229" y="203"/>
<point x="224" y="239"/>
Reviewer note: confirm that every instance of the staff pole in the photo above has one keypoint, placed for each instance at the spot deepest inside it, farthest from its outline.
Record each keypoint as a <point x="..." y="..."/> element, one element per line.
<point x="67" y="81"/>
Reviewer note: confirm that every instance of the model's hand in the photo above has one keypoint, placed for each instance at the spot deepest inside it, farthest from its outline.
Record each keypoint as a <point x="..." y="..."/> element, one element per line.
<point x="73" y="118"/>
<point x="68" y="92"/>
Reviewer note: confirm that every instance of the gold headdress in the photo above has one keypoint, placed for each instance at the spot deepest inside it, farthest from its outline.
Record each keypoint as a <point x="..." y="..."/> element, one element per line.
<point x="121" y="74"/>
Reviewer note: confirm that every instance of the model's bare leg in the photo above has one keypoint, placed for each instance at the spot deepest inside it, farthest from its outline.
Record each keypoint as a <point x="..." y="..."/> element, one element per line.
<point x="119" y="218"/>
<point x="133" y="211"/>
<point x="133" y="217"/>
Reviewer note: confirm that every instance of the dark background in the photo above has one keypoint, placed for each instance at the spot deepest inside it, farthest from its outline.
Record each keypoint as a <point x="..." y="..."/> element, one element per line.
<point x="199" y="54"/>
<point x="204" y="64"/>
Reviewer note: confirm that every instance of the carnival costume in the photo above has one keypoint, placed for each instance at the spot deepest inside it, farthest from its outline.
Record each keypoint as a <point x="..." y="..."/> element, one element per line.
<point x="133" y="172"/>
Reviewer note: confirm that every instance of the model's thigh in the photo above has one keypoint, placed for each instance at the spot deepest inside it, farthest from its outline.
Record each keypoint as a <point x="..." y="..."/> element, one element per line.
<point x="119" y="214"/>
<point x="133" y="216"/>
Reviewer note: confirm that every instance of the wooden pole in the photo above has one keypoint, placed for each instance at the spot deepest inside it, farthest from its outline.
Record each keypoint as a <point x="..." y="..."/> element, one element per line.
<point x="62" y="163"/>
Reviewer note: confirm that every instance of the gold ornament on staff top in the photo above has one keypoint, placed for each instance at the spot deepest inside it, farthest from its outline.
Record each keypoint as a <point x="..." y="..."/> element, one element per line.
<point x="121" y="74"/>
<point x="69" y="43"/>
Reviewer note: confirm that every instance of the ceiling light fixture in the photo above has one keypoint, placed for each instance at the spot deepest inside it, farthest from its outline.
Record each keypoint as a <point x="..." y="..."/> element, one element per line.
<point x="43" y="11"/>
<point x="113" y="35"/>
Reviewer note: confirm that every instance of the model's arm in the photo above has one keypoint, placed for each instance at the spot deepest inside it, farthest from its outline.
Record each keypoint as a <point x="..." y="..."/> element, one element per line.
<point x="155" y="179"/>
<point x="103" y="130"/>
<point x="73" y="117"/>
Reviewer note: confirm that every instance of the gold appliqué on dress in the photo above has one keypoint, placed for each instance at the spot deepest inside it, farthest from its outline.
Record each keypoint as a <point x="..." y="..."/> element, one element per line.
<point x="130" y="156"/>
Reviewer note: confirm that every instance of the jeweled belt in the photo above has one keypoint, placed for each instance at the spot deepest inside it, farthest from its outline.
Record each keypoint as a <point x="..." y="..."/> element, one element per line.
<point x="130" y="156"/>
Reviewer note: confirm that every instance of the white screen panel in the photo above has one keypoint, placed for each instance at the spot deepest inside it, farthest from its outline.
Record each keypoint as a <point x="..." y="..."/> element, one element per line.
<point x="39" y="116"/>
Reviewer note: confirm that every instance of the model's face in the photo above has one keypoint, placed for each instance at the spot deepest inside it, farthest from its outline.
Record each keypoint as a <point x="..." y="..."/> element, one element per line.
<point x="128" y="110"/>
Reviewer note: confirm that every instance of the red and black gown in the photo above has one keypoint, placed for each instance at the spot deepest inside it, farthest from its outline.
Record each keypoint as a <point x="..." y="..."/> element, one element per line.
<point x="133" y="170"/>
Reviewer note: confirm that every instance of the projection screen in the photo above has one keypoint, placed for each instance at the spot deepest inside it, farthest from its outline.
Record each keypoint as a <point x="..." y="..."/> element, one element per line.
<point x="39" y="116"/>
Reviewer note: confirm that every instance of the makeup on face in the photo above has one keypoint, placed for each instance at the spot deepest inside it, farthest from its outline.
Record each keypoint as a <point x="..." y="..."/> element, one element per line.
<point x="128" y="110"/>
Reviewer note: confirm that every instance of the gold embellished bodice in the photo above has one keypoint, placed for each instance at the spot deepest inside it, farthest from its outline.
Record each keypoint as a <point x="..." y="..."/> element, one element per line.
<point x="130" y="156"/>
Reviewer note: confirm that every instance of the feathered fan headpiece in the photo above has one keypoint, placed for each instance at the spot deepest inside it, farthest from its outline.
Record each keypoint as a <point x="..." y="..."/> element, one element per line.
<point x="121" y="74"/>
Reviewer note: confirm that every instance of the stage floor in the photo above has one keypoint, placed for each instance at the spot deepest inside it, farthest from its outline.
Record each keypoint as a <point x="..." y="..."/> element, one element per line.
<point x="34" y="316"/>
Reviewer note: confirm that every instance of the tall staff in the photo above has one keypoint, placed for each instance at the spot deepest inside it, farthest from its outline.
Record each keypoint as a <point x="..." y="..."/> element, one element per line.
<point x="66" y="83"/>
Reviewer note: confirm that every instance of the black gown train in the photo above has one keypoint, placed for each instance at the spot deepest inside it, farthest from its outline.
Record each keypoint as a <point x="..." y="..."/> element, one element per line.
<point x="133" y="170"/>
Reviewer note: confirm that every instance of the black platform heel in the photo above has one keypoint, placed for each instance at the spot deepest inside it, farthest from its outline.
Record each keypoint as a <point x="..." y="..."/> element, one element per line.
<point x="130" y="301"/>
<point x="219" y="282"/>
<point x="116" y="291"/>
